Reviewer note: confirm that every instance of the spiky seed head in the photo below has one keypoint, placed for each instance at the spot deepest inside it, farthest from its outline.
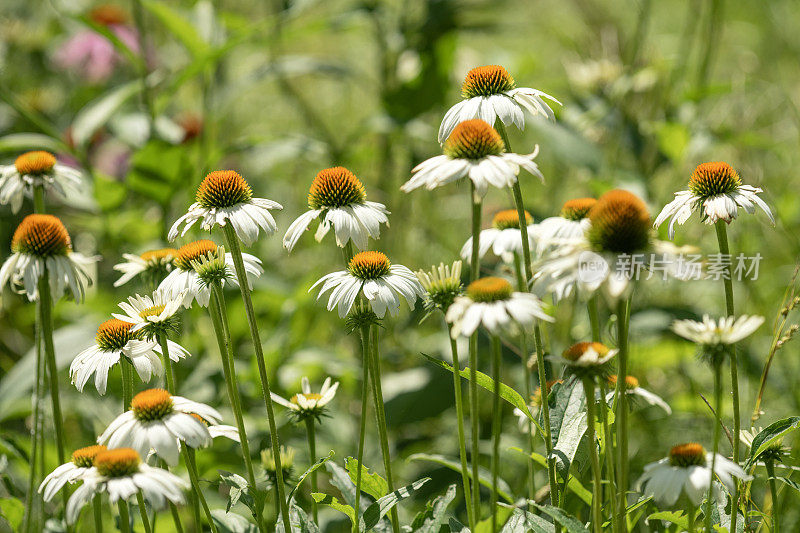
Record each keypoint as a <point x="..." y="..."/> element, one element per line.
<point x="577" y="208"/>
<point x="41" y="236"/>
<point x="620" y="223"/>
<point x="710" y="179"/>
<point x="335" y="187"/>
<point x="486" y="81"/>
<point x="223" y="188"/>
<point x="473" y="139"/>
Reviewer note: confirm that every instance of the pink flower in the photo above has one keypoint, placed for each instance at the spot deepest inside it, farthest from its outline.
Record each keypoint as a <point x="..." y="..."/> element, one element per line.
<point x="92" y="56"/>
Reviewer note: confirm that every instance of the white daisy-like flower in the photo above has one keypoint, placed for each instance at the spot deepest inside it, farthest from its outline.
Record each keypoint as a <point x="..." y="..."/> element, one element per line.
<point x="586" y="355"/>
<point x="116" y="338"/>
<point x="224" y="196"/>
<point x="504" y="237"/>
<point x="151" y="314"/>
<point x="158" y="421"/>
<point x="724" y="331"/>
<point x="716" y="191"/>
<point x="41" y="243"/>
<point x="617" y="249"/>
<point x="185" y="278"/>
<point x="633" y="390"/>
<point x="490" y="93"/>
<point x="476" y="151"/>
<point x="371" y="274"/>
<point x="153" y="263"/>
<point x="687" y="471"/>
<point x="307" y="404"/>
<point x="219" y="430"/>
<point x="492" y="303"/>
<point x="121" y="474"/>
<point x="570" y="226"/>
<point x="338" y="199"/>
<point x="36" y="169"/>
<point x="71" y="472"/>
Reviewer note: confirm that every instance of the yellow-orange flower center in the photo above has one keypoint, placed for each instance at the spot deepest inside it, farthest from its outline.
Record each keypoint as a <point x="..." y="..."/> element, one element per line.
<point x="84" y="457"/>
<point x="108" y="15"/>
<point x="630" y="381"/>
<point x="42" y="236"/>
<point x="193" y="251"/>
<point x="369" y="265"/>
<point x="223" y="188"/>
<point x="152" y="311"/>
<point x="689" y="454"/>
<point x="114" y="334"/>
<point x="710" y="179"/>
<point x="473" y="139"/>
<point x="486" y="81"/>
<point x="37" y="162"/>
<point x="309" y="396"/>
<point x="151" y="404"/>
<point x="160" y="256"/>
<point x="335" y="187"/>
<point x="574" y="352"/>
<point x="489" y="289"/>
<point x="120" y="462"/>
<point x="509" y="219"/>
<point x="578" y="208"/>
<point x="620" y="223"/>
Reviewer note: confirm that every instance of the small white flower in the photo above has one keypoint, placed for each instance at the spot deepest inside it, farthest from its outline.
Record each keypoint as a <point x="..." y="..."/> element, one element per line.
<point x="687" y="471"/>
<point x="121" y="474"/>
<point x="716" y="191"/>
<point x="151" y="314"/>
<point x="71" y="472"/>
<point x="724" y="331"/>
<point x="489" y="93"/>
<point x="222" y="197"/>
<point x="381" y="283"/>
<point x="632" y="388"/>
<point x="156" y="263"/>
<point x="306" y="403"/>
<point x="474" y="150"/>
<point x="36" y="169"/>
<point x="504" y="237"/>
<point x="184" y="279"/>
<point x="158" y="421"/>
<point x="338" y="199"/>
<point x="492" y="303"/>
<point x="586" y="354"/>
<point x="570" y="226"/>
<point x="41" y="243"/>
<point x="116" y="338"/>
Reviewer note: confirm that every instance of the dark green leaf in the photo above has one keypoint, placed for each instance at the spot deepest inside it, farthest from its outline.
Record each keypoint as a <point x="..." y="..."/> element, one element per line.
<point x="227" y="522"/>
<point x="333" y="503"/>
<point x="433" y="518"/>
<point x="239" y="490"/>
<point x="770" y="436"/>
<point x="503" y="490"/>
<point x="570" y="523"/>
<point x="378" y="510"/>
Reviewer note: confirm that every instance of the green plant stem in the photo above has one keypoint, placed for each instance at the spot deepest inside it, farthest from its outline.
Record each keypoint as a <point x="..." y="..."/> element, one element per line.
<point x="474" y="413"/>
<point x="522" y="286"/>
<point x="690" y="519"/>
<point x="176" y="518"/>
<point x="591" y="417"/>
<point x="97" y="512"/>
<point x="383" y="433"/>
<point x="169" y="379"/>
<point x="124" y="517"/>
<point x="773" y="491"/>
<point x="191" y="467"/>
<point x="548" y="438"/>
<point x="312" y="453"/>
<point x="497" y="424"/>
<point x="362" y="422"/>
<point x="594" y="318"/>
<point x="143" y="513"/>
<point x="232" y="242"/>
<point x="141" y="30"/>
<point x="38" y="199"/>
<point x="621" y="412"/>
<point x="462" y="442"/>
<point x="36" y="429"/>
<point x="126" y="369"/>
<point x="608" y="455"/>
<point x="715" y="449"/>
<point x="722" y="238"/>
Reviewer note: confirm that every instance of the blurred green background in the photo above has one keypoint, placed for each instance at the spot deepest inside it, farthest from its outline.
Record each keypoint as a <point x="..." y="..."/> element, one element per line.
<point x="280" y="89"/>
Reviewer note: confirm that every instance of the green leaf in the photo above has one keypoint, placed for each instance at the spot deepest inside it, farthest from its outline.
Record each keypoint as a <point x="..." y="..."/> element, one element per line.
<point x="506" y="392"/>
<point x="341" y="480"/>
<point x="432" y="518"/>
<point x="573" y="484"/>
<point x="178" y="26"/>
<point x="378" y="510"/>
<point x="456" y="526"/>
<point x="158" y="169"/>
<point x="333" y="503"/>
<point x="675" y="517"/>
<point x="108" y="192"/>
<point x="570" y="523"/>
<point x="790" y="482"/>
<point x="298" y="520"/>
<point x="770" y="436"/>
<point x="673" y="138"/>
<point x="313" y="467"/>
<point x="96" y="113"/>
<point x="522" y="521"/>
<point x="19" y="142"/>
<point x="12" y="510"/>
<point x="485" y="477"/>
<point x="239" y="490"/>
<point x="373" y="484"/>
<point x="485" y="525"/>
<point x="231" y="522"/>
<point x="567" y="422"/>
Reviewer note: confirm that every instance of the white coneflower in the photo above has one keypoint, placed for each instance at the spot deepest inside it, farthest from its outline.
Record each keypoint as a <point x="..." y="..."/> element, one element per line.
<point x="184" y="276"/>
<point x="71" y="472"/>
<point x="41" y="242"/>
<point x="219" y="430"/>
<point x="633" y="390"/>
<point x="716" y="191"/>
<point x="36" y="169"/>
<point x="687" y="471"/>
<point x="307" y="404"/>
<point x="442" y="285"/>
<point x="157" y="420"/>
<point x="476" y="151"/>
<point x="504" y="237"/>
<point x="121" y="474"/>
<point x="587" y="357"/>
<point x="714" y="336"/>
<point x="156" y="264"/>
<point x="490" y="93"/>
<point x="337" y="197"/>
<point x="371" y="274"/>
<point x="224" y="196"/>
<point x="492" y="303"/>
<point x="570" y="225"/>
<point x="116" y="339"/>
<point x="151" y="315"/>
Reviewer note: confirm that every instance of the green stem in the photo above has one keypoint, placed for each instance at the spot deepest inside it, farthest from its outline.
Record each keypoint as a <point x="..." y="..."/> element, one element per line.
<point x="362" y="423"/>
<point x="191" y="466"/>
<point x="474" y="273"/>
<point x="690" y="519"/>
<point x="143" y="513"/>
<point x="548" y="439"/>
<point x="722" y="239"/>
<point x="36" y="429"/>
<point x="621" y="412"/>
<point x="176" y="518"/>
<point x="383" y="433"/>
<point x="717" y="426"/>
<point x="232" y="242"/>
<point x="608" y="455"/>
<point x="594" y="318"/>
<point x="141" y="29"/>
<point x="38" y="199"/>
<point x="169" y="378"/>
<point x="46" y="320"/>
<point x="597" y="496"/>
<point x="773" y="491"/>
<point x="348" y="252"/>
<point x="312" y="453"/>
<point x="462" y="442"/>
<point x="124" y="517"/>
<point x="97" y="511"/>
<point x="522" y="286"/>
<point x="497" y="424"/>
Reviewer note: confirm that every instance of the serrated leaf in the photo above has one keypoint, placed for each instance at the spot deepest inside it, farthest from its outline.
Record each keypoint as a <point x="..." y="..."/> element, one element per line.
<point x="433" y="518"/>
<point x="371" y="483"/>
<point x="334" y="503"/>
<point x="770" y="436"/>
<point x="522" y="521"/>
<point x="227" y="522"/>
<point x="378" y="510"/>
<point x="298" y="520"/>
<point x="570" y="523"/>
<point x="239" y="490"/>
<point x="308" y="472"/>
<point x="96" y="113"/>
<point x="485" y="477"/>
<point x="573" y="484"/>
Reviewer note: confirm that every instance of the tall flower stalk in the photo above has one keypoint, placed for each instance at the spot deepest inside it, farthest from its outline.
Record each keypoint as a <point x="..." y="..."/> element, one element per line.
<point x="497" y="424"/>
<point x="362" y="419"/>
<point x="621" y="412"/>
<point x="474" y="412"/>
<point x="597" y="499"/>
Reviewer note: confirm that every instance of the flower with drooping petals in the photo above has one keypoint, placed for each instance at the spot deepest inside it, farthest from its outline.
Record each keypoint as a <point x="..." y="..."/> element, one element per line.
<point x="154" y="264"/>
<point x="504" y="237"/>
<point x="634" y="390"/>
<point x="570" y="225"/>
<point x="714" y="336"/>
<point x="307" y="404"/>
<point x="36" y="169"/>
<point x="71" y="472"/>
